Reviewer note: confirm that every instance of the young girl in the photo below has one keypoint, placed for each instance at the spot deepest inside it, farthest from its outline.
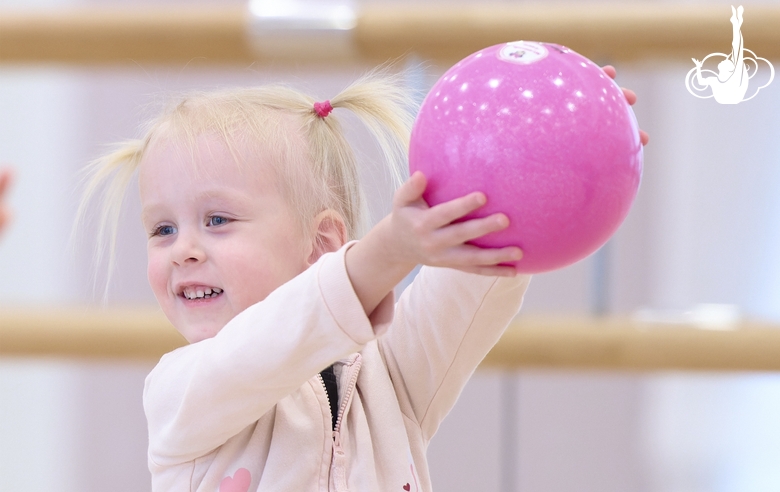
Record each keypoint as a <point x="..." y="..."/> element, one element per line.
<point x="302" y="373"/>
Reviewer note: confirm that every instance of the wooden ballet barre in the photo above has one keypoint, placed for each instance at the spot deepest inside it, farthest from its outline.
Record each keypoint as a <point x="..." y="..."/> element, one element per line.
<point x="549" y="342"/>
<point x="620" y="343"/>
<point x="221" y="35"/>
<point x="140" y="333"/>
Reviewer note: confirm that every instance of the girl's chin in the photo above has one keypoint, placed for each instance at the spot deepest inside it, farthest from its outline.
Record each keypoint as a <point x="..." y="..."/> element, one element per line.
<point x="194" y="335"/>
<point x="201" y="330"/>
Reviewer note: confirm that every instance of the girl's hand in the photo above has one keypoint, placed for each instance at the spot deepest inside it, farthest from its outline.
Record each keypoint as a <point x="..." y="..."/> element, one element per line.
<point x="5" y="184"/>
<point x="419" y="234"/>
<point x="630" y="97"/>
<point x="415" y="234"/>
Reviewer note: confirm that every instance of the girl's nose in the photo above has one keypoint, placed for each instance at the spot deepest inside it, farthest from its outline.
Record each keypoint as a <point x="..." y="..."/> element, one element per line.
<point x="187" y="249"/>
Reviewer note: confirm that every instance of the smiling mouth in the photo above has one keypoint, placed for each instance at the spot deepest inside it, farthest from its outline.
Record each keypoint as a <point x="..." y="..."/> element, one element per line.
<point x="194" y="294"/>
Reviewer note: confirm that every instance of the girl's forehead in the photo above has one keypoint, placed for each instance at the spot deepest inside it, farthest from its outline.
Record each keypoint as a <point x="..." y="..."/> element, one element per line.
<point x="176" y="178"/>
<point x="207" y="158"/>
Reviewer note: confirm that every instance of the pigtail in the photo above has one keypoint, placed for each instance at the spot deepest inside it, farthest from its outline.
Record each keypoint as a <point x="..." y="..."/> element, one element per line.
<point x="385" y="104"/>
<point x="109" y="176"/>
<point x="382" y="102"/>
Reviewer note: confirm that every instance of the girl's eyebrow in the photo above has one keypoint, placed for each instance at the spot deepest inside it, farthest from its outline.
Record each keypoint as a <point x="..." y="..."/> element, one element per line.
<point x="231" y="195"/>
<point x="218" y="193"/>
<point x="145" y="213"/>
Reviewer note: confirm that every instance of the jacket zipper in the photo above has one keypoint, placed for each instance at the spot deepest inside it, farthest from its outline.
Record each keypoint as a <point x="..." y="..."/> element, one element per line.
<point x="339" y="468"/>
<point x="322" y="382"/>
<point x="353" y="369"/>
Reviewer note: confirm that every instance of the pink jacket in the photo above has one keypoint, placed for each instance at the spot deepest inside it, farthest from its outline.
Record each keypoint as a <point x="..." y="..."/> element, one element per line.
<point x="247" y="409"/>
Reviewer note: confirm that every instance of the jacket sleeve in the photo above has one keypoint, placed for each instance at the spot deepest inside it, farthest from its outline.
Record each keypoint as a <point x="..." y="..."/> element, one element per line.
<point x="445" y="323"/>
<point x="202" y="394"/>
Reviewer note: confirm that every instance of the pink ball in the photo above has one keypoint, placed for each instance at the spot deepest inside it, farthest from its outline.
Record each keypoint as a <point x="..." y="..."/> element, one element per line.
<point x="546" y="135"/>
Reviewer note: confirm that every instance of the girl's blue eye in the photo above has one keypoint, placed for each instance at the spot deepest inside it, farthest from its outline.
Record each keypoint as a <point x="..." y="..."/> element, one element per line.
<point x="165" y="230"/>
<point x="216" y="220"/>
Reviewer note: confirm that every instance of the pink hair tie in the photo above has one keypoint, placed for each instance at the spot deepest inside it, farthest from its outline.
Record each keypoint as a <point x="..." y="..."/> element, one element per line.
<point x="323" y="109"/>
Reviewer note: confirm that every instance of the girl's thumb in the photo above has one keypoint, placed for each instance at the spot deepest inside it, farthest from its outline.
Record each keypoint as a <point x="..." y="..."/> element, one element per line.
<point x="411" y="190"/>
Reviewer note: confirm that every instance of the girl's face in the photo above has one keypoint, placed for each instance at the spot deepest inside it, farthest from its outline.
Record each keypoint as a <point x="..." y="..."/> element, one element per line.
<point x="220" y="238"/>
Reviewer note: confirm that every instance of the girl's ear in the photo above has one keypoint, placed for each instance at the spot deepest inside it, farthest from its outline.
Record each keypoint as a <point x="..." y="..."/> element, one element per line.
<point x="330" y="234"/>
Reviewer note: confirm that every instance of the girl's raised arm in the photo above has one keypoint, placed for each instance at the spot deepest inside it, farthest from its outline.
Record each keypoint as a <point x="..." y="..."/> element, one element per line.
<point x="415" y="233"/>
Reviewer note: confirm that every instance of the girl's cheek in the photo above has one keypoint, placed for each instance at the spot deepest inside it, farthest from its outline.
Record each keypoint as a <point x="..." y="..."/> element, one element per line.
<point x="155" y="273"/>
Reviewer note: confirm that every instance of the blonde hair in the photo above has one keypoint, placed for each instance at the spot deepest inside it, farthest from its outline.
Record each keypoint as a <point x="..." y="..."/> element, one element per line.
<point x="322" y="175"/>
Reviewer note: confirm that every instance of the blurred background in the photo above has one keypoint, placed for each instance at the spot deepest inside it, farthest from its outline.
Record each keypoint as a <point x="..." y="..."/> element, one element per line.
<point x="705" y="229"/>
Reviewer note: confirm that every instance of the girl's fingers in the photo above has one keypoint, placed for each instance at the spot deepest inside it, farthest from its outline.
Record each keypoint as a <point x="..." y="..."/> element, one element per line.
<point x="631" y="99"/>
<point x="411" y="191"/>
<point x="5" y="216"/>
<point x="5" y="183"/>
<point x="5" y="180"/>
<point x="447" y="212"/>
<point x="468" y="230"/>
<point x="630" y="95"/>
<point x="470" y="256"/>
<point x="610" y="71"/>
<point x="492" y="271"/>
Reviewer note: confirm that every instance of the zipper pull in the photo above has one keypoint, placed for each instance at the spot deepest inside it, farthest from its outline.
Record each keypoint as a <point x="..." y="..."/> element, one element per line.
<point x="337" y="441"/>
<point x="338" y="467"/>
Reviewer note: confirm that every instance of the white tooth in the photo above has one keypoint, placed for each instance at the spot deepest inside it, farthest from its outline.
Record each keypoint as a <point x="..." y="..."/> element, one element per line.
<point x="199" y="293"/>
<point x="208" y="291"/>
<point x="217" y="290"/>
